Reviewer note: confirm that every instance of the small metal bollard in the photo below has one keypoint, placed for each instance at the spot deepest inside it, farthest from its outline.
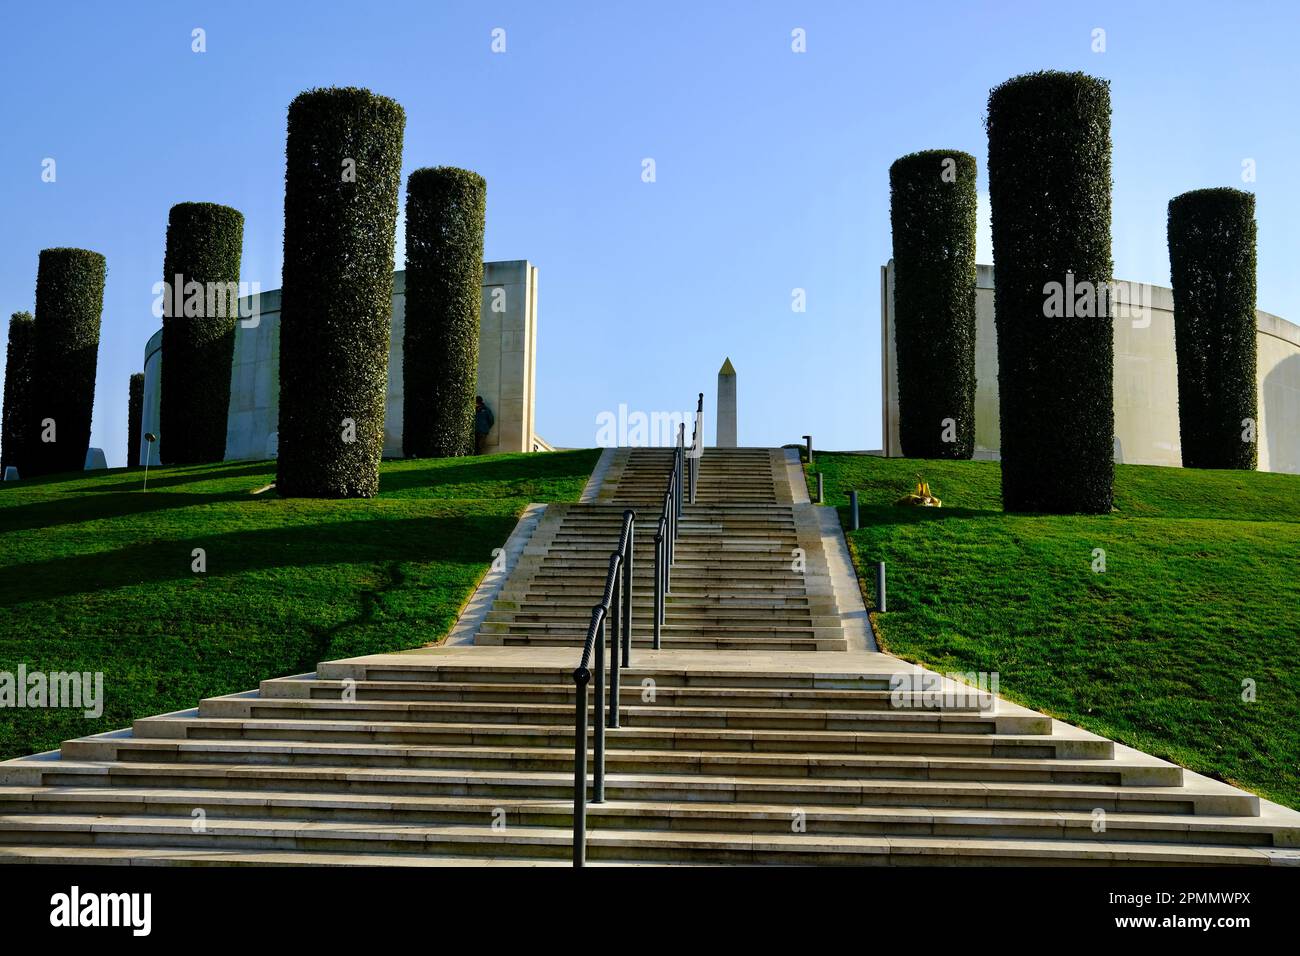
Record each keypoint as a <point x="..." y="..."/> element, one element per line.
<point x="807" y="440"/>
<point x="880" y="586"/>
<point x="853" y="507"/>
<point x="821" y="490"/>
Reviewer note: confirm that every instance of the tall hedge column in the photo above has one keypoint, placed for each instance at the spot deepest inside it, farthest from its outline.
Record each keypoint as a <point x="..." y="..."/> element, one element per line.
<point x="932" y="207"/>
<point x="1049" y="186"/>
<point x="69" y="301"/>
<point x="342" y="181"/>
<point x="135" y="419"/>
<point x="445" y="210"/>
<point x="201" y="266"/>
<point x="15" y="433"/>
<point x="1212" y="263"/>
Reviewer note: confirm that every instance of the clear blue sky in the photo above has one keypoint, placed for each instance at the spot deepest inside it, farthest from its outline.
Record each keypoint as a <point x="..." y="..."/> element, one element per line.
<point x="772" y="167"/>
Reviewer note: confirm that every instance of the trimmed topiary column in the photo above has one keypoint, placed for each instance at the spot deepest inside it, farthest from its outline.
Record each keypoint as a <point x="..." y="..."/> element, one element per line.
<point x="341" y="185"/>
<point x="445" y="210"/>
<point x="1049" y="187"/>
<point x="69" y="301"/>
<point x="20" y="358"/>
<point x="1212" y="263"/>
<point x="204" y="244"/>
<point x="932" y="208"/>
<point x="135" y="419"/>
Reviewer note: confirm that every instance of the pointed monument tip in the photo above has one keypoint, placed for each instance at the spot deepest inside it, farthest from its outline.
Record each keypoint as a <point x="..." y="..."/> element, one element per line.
<point x="727" y="368"/>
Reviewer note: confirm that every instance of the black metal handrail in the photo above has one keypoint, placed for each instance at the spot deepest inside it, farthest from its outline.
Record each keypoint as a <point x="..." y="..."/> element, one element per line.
<point x="666" y="535"/>
<point x="617" y="597"/>
<point x="697" y="445"/>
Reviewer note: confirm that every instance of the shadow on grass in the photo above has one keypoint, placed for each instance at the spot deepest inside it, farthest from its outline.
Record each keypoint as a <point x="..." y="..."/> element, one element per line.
<point x="877" y="515"/>
<point x="174" y="476"/>
<point x="75" y="509"/>
<point x="457" y="539"/>
<point x="486" y="469"/>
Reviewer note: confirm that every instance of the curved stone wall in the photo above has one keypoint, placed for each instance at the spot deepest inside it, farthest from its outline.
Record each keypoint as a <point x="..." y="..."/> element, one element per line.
<point x="1146" y="379"/>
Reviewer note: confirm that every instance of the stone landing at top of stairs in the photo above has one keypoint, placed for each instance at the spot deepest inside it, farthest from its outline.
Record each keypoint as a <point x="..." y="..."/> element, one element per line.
<point x="764" y="731"/>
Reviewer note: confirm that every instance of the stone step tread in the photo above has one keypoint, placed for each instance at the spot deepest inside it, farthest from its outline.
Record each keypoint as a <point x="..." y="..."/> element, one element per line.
<point x="848" y="738"/>
<point x="738" y="643"/>
<point x="555" y="675"/>
<point x="695" y="630"/>
<point x="630" y="711"/>
<point x="633" y="688"/>
<point x="431" y="665"/>
<point x="701" y="758"/>
<point x="65" y="855"/>
<point x="691" y="783"/>
<point x="692" y="809"/>
<point x="517" y="837"/>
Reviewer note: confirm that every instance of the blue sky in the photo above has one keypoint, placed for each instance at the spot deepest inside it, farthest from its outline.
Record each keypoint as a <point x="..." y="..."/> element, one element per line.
<point x="772" y="166"/>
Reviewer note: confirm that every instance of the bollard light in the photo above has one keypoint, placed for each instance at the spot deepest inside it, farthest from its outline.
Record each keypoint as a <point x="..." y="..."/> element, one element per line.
<point x="880" y="586"/>
<point x="150" y="437"/>
<point x="853" y="507"/>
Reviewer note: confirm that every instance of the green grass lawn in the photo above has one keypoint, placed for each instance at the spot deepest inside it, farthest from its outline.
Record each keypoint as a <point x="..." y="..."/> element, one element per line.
<point x="96" y="576"/>
<point x="1201" y="592"/>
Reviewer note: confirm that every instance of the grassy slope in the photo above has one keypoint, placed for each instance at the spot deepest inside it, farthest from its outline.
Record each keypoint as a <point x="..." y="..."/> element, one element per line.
<point x="1201" y="592"/>
<point x="95" y="576"/>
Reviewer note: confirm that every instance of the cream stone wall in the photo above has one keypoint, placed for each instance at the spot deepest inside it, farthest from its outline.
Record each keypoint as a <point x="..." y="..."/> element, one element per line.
<point x="1146" y="378"/>
<point x="506" y="370"/>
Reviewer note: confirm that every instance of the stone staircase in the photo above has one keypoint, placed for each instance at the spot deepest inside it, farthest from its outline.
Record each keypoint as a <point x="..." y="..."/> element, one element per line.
<point x="760" y="733"/>
<point x="762" y="604"/>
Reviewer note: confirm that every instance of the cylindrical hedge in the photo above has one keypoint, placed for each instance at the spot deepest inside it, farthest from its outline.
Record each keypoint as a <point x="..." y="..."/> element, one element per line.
<point x="135" y="419"/>
<point x="341" y="188"/>
<point x="1049" y="188"/>
<point x="20" y="366"/>
<point x="201" y="265"/>
<point x="69" y="301"/>
<point x="445" y="210"/>
<point x="1212" y="264"/>
<point x="932" y="208"/>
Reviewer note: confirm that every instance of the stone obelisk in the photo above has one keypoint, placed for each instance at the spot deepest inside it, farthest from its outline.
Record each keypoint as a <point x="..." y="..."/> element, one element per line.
<point x="727" y="405"/>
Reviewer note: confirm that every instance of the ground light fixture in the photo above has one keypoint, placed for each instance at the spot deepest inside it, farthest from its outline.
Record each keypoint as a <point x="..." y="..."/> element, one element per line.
<point x="150" y="437"/>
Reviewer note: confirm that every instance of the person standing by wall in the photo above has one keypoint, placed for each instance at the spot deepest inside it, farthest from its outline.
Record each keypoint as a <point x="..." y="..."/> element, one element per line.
<point x="483" y="421"/>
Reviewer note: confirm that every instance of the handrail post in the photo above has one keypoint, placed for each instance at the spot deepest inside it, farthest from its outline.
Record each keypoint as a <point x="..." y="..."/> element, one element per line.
<point x="672" y="522"/>
<point x="697" y="445"/>
<point x="668" y="553"/>
<point x="659" y="584"/>
<point x="614" y="640"/>
<point x="630" y="517"/>
<point x="681" y="458"/>
<point x="598" y="758"/>
<point x="581" y="677"/>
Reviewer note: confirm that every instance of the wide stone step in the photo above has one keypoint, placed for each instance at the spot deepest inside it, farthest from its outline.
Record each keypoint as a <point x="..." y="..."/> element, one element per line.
<point x="743" y="553"/>
<point x="539" y="612"/>
<point x="733" y="818"/>
<point x="257" y="778"/>
<point x="928" y="719"/>
<point x="980" y="744"/>
<point x="666" y="846"/>
<point x="585" y="571"/>
<point x="619" y="760"/>
<point x="693" y="590"/>
<point x="702" y="603"/>
<point x="692" y="641"/>
<point x="425" y="669"/>
<point x="577" y="627"/>
<point x="632" y="691"/>
<point x="81" y="855"/>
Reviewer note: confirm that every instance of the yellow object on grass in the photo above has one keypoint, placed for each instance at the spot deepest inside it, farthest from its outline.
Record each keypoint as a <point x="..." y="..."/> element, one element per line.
<point x="921" y="497"/>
